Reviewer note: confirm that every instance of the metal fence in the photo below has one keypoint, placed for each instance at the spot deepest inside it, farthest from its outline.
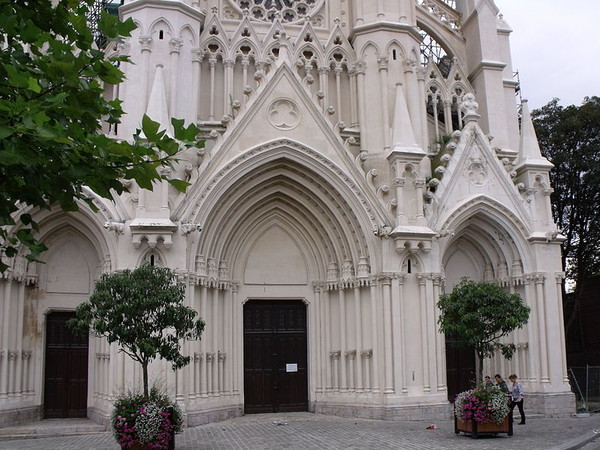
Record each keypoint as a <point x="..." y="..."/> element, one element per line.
<point x="585" y="383"/>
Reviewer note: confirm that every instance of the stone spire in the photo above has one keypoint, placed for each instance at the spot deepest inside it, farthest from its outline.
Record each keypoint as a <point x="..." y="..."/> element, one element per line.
<point x="403" y="134"/>
<point x="529" y="149"/>
<point x="157" y="108"/>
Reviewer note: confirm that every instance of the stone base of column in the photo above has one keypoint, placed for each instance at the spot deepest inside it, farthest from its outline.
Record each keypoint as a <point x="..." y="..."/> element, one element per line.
<point x="215" y="414"/>
<point x="550" y="405"/>
<point x="17" y="416"/>
<point x="428" y="412"/>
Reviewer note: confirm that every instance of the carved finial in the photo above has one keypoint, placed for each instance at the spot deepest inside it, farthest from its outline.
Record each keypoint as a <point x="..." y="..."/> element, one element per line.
<point x="469" y="107"/>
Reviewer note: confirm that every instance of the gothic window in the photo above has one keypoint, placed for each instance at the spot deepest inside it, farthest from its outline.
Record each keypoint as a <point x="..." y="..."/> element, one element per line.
<point x="153" y="258"/>
<point x="432" y="51"/>
<point x="286" y="10"/>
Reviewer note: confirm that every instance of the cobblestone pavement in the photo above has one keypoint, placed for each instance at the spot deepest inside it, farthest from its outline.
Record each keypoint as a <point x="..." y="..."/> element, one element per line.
<point x="308" y="431"/>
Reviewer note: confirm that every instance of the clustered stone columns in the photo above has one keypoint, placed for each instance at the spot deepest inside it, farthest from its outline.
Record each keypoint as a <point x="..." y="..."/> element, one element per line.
<point x="16" y="364"/>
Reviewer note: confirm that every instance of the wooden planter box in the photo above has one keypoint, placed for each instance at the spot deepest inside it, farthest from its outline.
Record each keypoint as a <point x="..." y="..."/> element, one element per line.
<point x="476" y="429"/>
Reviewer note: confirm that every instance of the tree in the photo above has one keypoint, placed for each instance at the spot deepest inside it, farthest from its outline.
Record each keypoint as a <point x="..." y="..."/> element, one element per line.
<point x="51" y="111"/>
<point x="569" y="137"/>
<point x="478" y="314"/>
<point x="142" y="310"/>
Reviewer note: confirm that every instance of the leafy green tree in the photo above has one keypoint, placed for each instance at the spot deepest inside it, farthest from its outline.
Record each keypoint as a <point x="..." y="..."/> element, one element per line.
<point x="569" y="137"/>
<point x="478" y="314"/>
<point x="142" y="311"/>
<point x="51" y="112"/>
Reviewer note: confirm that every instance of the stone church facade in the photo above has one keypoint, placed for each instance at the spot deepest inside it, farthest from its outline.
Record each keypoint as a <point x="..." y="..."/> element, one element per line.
<point x="361" y="158"/>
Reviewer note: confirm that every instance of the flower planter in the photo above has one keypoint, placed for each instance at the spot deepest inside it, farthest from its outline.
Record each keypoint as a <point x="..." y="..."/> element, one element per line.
<point x="138" y="446"/>
<point x="476" y="429"/>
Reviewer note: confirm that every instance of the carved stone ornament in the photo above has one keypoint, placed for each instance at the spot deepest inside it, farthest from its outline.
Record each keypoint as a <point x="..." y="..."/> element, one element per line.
<point x="284" y="114"/>
<point x="285" y="10"/>
<point x="477" y="172"/>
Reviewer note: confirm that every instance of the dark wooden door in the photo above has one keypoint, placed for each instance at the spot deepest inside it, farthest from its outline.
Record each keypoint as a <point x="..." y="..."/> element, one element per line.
<point x="66" y="373"/>
<point x="275" y="357"/>
<point x="460" y="369"/>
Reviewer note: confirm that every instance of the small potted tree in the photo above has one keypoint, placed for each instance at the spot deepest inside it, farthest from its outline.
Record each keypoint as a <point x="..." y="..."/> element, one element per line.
<point x="142" y="311"/>
<point x="478" y="315"/>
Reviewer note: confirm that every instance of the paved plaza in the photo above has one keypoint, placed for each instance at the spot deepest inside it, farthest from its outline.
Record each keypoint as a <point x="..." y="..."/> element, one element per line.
<point x="309" y="431"/>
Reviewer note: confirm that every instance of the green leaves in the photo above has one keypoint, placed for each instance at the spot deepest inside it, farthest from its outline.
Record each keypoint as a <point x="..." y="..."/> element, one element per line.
<point x="51" y="110"/>
<point x="477" y="315"/>
<point x="143" y="311"/>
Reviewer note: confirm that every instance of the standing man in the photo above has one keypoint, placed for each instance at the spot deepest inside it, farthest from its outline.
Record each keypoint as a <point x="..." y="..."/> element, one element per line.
<point x="501" y="383"/>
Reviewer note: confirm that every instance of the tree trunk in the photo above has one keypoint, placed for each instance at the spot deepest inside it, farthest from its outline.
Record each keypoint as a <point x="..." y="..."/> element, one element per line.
<point x="145" y="376"/>
<point x="479" y="369"/>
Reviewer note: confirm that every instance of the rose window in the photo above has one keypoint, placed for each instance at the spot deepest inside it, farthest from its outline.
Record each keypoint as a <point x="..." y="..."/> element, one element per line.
<point x="288" y="10"/>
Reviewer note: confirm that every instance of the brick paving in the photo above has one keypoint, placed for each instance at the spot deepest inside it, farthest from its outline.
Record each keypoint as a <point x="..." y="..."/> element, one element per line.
<point x="308" y="431"/>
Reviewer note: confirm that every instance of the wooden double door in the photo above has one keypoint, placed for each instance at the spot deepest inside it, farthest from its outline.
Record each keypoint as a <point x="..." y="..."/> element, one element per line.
<point x="275" y="356"/>
<point x="66" y="372"/>
<point x="460" y="369"/>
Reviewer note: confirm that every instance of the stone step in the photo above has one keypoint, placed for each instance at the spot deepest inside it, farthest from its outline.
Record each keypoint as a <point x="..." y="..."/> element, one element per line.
<point x="51" y="428"/>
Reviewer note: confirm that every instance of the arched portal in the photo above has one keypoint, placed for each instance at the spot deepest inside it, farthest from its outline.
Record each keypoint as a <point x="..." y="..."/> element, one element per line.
<point x="482" y="249"/>
<point x="281" y="229"/>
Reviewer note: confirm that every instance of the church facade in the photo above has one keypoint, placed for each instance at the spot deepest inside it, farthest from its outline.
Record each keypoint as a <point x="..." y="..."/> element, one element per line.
<point x="361" y="158"/>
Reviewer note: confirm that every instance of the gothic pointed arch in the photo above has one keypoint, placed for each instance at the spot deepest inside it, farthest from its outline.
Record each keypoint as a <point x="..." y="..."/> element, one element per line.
<point x="286" y="186"/>
<point x="486" y="241"/>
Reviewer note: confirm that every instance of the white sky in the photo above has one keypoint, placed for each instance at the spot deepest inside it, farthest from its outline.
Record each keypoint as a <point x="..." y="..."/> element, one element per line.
<point x="555" y="47"/>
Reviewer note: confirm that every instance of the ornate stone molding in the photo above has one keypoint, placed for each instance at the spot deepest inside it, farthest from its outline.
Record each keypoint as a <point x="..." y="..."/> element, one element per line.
<point x="189" y="227"/>
<point x="366" y="354"/>
<point x="117" y="227"/>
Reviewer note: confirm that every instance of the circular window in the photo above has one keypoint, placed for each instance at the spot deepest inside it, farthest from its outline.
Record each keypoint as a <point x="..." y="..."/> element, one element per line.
<point x="288" y="10"/>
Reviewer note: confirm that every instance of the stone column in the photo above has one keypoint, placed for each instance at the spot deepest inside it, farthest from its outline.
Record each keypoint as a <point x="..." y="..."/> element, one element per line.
<point x="559" y="277"/>
<point x="212" y="62"/>
<point x="399" y="334"/>
<point x="146" y="48"/>
<point x="358" y="8"/>
<point x="205" y="372"/>
<point x="541" y="310"/>
<point x="385" y="106"/>
<point x="399" y="185"/>
<point x="196" y="82"/>
<point x="324" y="85"/>
<point x="424" y="341"/>
<point x="532" y="330"/>
<point x="318" y="317"/>
<point x="358" y="334"/>
<point x="361" y="68"/>
<point x="238" y="344"/>
<point x="375" y="326"/>
<point x="328" y="324"/>
<point x="338" y="69"/>
<point x="387" y="334"/>
<point x="343" y="345"/>
<point x="175" y="45"/>
<point x="216" y="342"/>
<point x="19" y="339"/>
<point x="353" y="100"/>
<point x="440" y="351"/>
<point x="6" y="327"/>
<point x="350" y="358"/>
<point x="228" y="88"/>
<point x="335" y="359"/>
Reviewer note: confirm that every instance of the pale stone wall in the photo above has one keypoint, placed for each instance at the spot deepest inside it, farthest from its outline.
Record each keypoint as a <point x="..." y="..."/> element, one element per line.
<point x="315" y="184"/>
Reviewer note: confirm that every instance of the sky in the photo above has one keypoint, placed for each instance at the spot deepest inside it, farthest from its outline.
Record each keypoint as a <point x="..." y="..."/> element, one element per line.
<point x="555" y="45"/>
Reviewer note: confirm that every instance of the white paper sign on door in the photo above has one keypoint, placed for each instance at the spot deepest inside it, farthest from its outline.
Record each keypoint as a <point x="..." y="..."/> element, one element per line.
<point x="291" y="367"/>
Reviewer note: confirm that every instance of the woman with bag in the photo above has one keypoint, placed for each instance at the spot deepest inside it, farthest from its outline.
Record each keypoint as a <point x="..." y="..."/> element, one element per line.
<point x="516" y="397"/>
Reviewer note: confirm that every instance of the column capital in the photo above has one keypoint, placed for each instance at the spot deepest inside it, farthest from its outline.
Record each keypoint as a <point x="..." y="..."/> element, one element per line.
<point x="146" y="43"/>
<point x="383" y="62"/>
